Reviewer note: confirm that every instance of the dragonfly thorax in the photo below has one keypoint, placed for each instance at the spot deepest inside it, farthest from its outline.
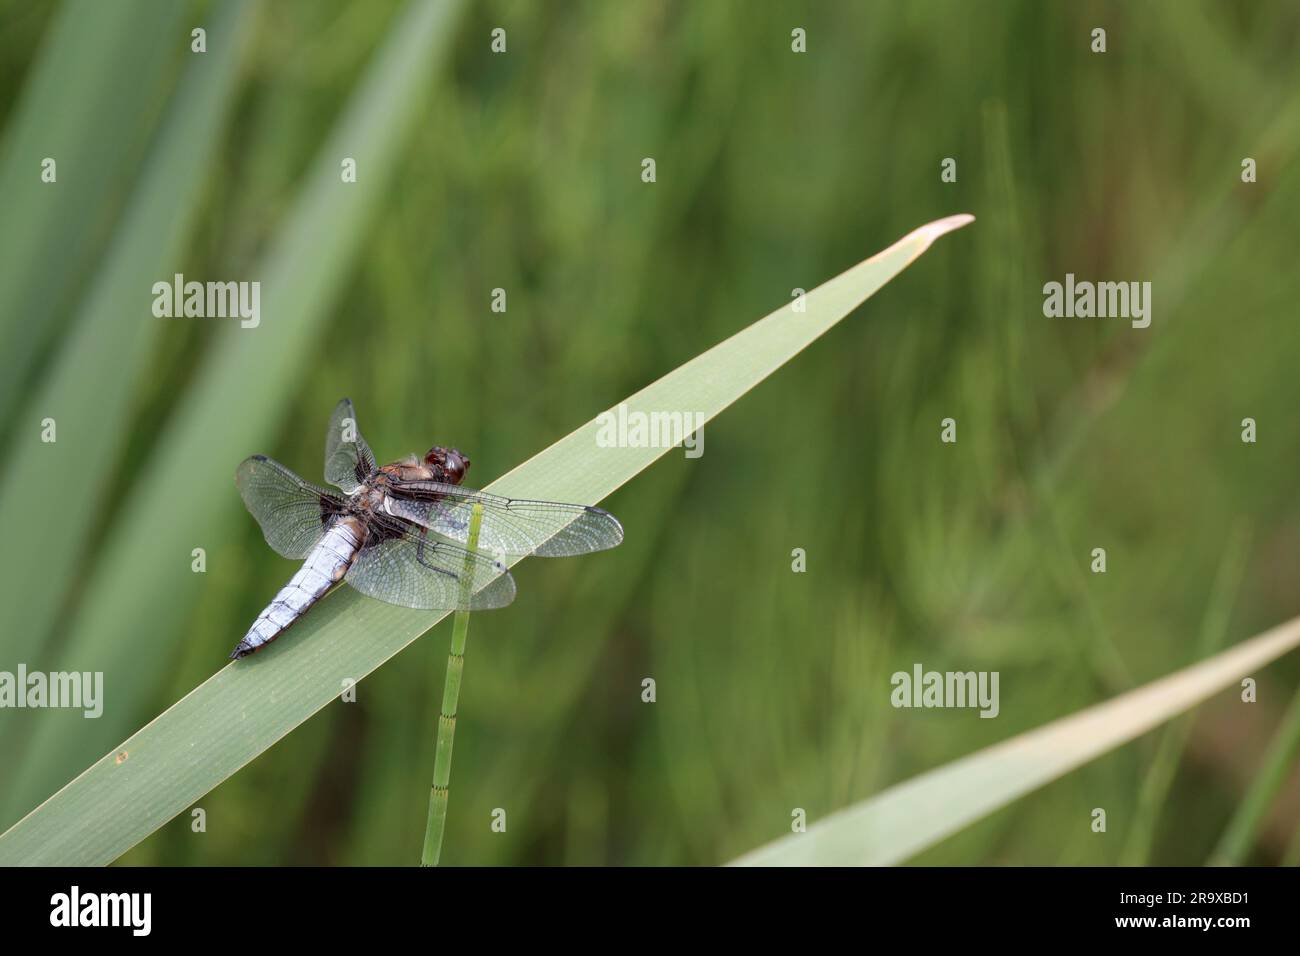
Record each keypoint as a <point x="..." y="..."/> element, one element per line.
<point x="409" y="468"/>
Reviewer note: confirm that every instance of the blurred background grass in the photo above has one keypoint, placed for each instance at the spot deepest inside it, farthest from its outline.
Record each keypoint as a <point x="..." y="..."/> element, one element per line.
<point x="775" y="171"/>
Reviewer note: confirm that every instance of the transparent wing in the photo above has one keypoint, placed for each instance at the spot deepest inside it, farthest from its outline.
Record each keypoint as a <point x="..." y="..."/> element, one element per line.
<point x="415" y="570"/>
<point x="510" y="526"/>
<point x="293" y="513"/>
<point x="348" y="459"/>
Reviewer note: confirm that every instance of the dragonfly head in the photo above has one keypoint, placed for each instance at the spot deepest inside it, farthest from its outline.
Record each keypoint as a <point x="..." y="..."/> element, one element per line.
<point x="450" y="462"/>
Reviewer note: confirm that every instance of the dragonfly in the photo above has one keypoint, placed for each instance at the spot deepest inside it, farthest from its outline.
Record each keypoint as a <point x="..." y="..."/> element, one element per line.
<point x="400" y="533"/>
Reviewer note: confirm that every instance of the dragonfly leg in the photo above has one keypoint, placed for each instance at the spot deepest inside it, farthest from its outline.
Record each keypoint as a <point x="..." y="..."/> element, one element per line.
<point x="419" y="556"/>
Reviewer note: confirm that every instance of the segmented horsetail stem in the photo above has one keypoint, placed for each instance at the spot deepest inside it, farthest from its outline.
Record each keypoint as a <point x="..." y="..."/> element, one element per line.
<point x="439" y="792"/>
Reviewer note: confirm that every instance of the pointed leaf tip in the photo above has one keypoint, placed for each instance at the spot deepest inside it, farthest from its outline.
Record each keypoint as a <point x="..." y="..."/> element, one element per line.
<point x="921" y="237"/>
<point x="933" y="230"/>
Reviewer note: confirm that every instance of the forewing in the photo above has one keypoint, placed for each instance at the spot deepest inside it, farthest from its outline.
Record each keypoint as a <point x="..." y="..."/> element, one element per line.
<point x="348" y="459"/>
<point x="413" y="570"/>
<point x="510" y="526"/>
<point x="293" y="513"/>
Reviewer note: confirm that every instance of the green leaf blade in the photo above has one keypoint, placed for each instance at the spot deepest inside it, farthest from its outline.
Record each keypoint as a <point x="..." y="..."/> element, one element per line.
<point x="246" y="707"/>
<point x="86" y="107"/>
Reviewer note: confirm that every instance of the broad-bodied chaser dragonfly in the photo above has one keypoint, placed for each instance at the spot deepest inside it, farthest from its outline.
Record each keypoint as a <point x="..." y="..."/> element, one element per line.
<point x="397" y="532"/>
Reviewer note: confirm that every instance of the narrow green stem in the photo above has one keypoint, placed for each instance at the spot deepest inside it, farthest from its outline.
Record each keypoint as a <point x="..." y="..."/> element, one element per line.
<point x="1155" y="788"/>
<point x="439" y="792"/>
<point x="1239" y="837"/>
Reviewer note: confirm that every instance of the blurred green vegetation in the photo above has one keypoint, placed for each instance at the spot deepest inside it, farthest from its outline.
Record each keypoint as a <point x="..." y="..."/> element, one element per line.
<point x="775" y="170"/>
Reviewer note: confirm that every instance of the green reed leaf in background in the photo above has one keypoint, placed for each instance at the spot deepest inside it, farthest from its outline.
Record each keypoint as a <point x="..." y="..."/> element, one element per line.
<point x="89" y="388"/>
<point x="246" y="707"/>
<point x="87" y="106"/>
<point x="144" y="576"/>
<point x="908" y="817"/>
